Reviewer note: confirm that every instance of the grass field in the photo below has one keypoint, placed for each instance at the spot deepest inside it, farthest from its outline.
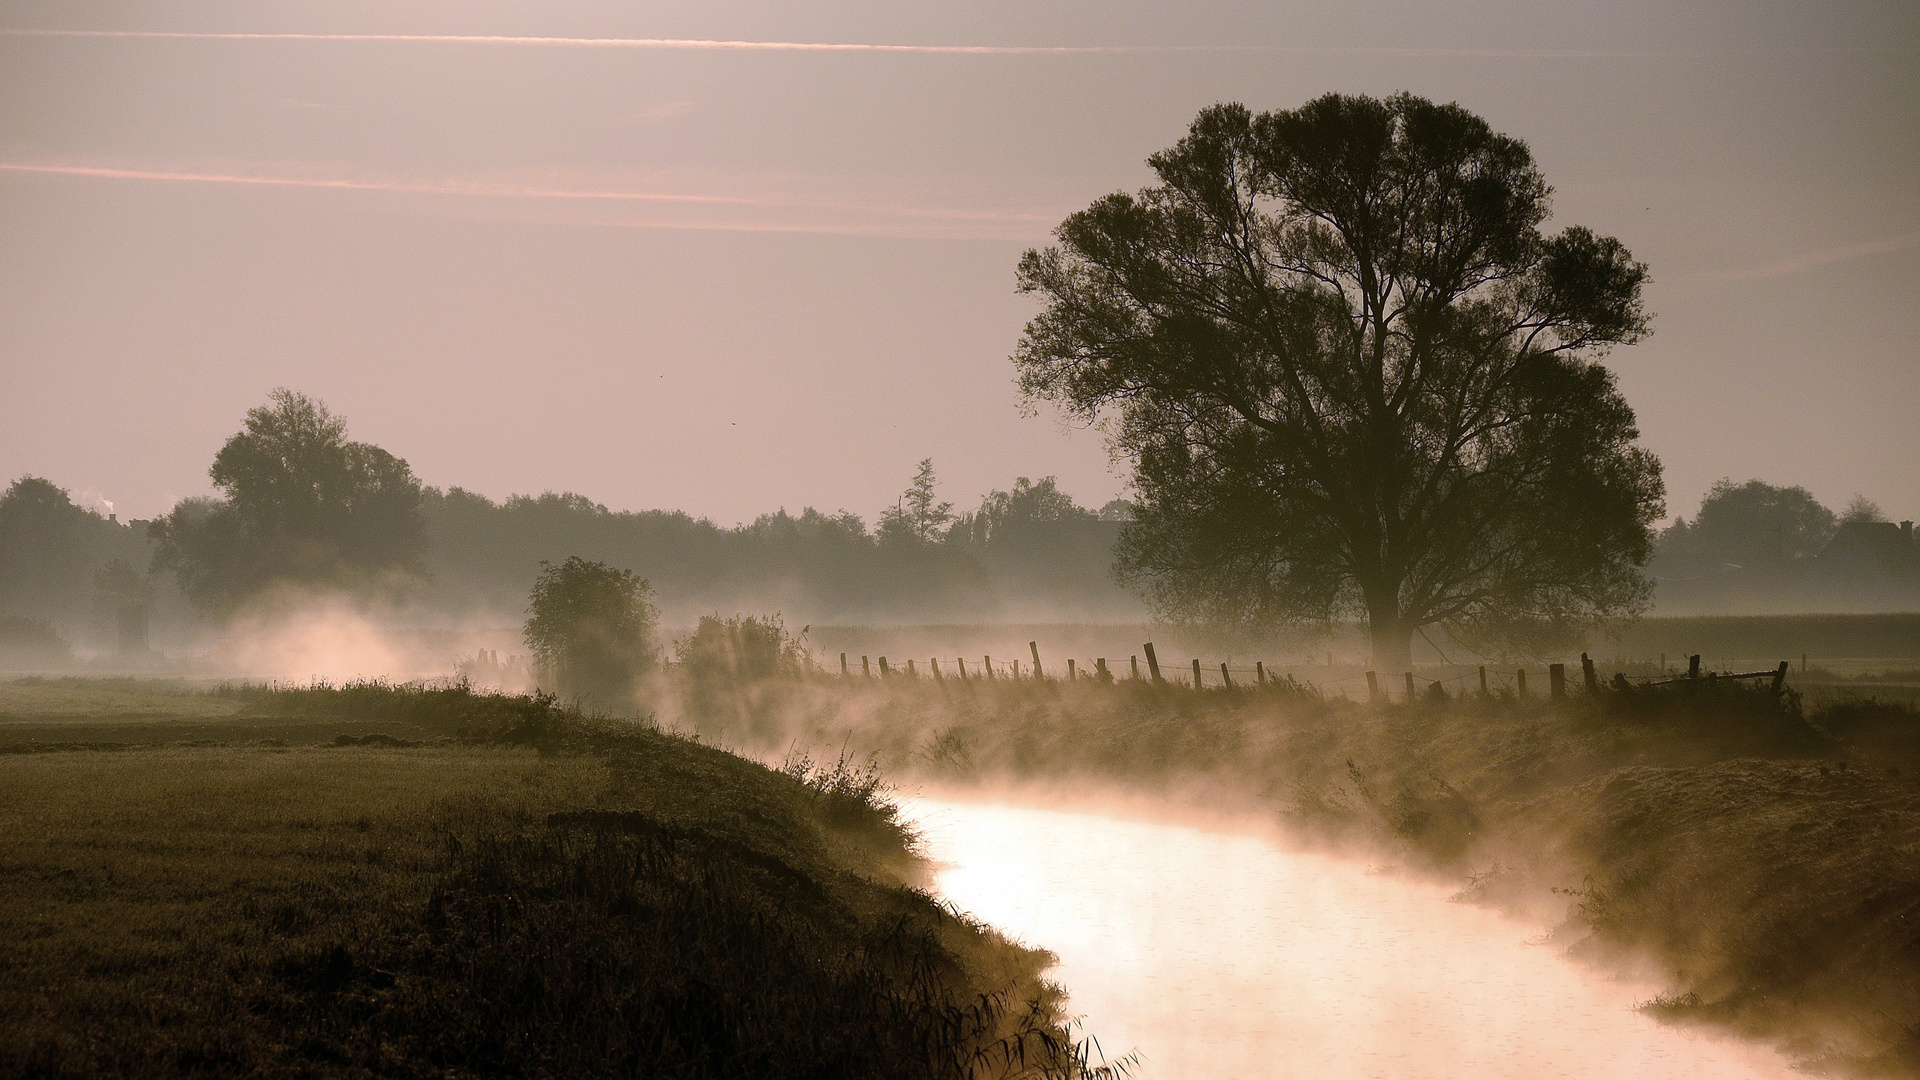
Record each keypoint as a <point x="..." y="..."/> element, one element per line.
<point x="404" y="882"/>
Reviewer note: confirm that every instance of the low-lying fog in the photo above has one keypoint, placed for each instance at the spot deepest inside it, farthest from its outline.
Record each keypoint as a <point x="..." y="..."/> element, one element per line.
<point x="1218" y="952"/>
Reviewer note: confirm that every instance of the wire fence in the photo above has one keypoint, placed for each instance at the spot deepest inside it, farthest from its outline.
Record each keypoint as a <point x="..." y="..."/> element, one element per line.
<point x="1198" y="674"/>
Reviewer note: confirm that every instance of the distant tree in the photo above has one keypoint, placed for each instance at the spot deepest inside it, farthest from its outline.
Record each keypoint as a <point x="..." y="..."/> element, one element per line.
<point x="592" y="626"/>
<point x="1753" y="522"/>
<point x="1355" y="375"/>
<point x="31" y="643"/>
<point x="301" y="504"/>
<point x="1006" y="515"/>
<point x="40" y="544"/>
<point x="1862" y="510"/>
<point x="918" y="518"/>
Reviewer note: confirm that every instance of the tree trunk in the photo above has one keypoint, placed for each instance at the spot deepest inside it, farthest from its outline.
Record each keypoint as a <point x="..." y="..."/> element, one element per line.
<point x="1392" y="637"/>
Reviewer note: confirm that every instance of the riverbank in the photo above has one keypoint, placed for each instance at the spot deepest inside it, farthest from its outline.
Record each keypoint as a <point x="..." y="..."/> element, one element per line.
<point x="411" y="882"/>
<point x="1762" y="859"/>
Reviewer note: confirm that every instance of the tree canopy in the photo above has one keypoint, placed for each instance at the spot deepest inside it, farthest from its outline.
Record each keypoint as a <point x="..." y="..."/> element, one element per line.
<point x="1752" y="522"/>
<point x="301" y="504"/>
<point x="1355" y="375"/>
<point x="40" y="554"/>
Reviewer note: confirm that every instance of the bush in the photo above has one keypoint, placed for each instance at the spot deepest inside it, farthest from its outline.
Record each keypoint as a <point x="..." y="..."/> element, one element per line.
<point x="592" y="628"/>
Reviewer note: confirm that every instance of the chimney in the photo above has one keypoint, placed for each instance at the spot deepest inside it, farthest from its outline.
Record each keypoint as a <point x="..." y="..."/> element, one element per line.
<point x="1906" y="531"/>
<point x="114" y="519"/>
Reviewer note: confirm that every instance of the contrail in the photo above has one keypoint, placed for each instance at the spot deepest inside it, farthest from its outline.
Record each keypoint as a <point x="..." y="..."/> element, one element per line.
<point x="608" y="43"/>
<point x="411" y="186"/>
<point x="905" y="217"/>
<point x="1809" y="260"/>
<point x="714" y="44"/>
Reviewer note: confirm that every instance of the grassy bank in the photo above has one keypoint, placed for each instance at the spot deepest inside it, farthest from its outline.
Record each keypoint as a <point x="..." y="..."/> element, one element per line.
<point x="1762" y="856"/>
<point x="404" y="882"/>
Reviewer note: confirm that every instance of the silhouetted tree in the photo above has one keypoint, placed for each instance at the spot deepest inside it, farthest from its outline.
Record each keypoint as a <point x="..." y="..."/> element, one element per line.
<point x="302" y="504"/>
<point x="40" y="545"/>
<point x="1009" y="515"/>
<point x="1751" y="523"/>
<point x="592" y="627"/>
<point x="1350" y="368"/>
<point x="1862" y="510"/>
<point x="918" y="518"/>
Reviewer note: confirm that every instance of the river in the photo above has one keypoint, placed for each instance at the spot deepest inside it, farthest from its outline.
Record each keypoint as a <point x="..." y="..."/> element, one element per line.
<point x="1217" y="952"/>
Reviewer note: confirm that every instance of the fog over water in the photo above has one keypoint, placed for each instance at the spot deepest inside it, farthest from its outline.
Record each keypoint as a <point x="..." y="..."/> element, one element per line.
<point x="1217" y="952"/>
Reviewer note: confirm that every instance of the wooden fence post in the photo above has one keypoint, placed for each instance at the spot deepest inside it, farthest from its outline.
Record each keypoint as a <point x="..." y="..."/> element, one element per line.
<point x="1153" y="662"/>
<point x="934" y="663"/>
<point x="1100" y="671"/>
<point x="884" y="670"/>
<point x="911" y="674"/>
<point x="843" y="665"/>
<point x="1070" y="671"/>
<point x="1520" y="683"/>
<point x="1483" y="680"/>
<point x="1780" y="678"/>
<point x="1260" y="672"/>
<point x="1586" y="668"/>
<point x="1226" y="679"/>
<point x="1373" y="687"/>
<point x="1411" y="692"/>
<point x="1556" y="681"/>
<point x="1135" y="661"/>
<point x="865" y="669"/>
<point x="961" y="663"/>
<point x="1693" y="666"/>
<point x="1197" y="684"/>
<point x="986" y="662"/>
<point x="1037" y="672"/>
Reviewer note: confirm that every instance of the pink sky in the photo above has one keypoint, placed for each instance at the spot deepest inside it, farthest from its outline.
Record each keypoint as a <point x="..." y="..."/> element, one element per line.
<point x="731" y="257"/>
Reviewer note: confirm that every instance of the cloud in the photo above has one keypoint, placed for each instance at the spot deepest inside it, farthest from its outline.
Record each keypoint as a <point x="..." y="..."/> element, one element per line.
<point x="1809" y="260"/>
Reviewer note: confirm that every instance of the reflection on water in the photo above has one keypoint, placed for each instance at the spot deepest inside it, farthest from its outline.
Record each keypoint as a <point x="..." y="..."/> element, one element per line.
<point x="1219" y="954"/>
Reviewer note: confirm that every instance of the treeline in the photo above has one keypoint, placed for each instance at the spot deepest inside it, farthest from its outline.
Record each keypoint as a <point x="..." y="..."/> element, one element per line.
<point x="300" y="506"/>
<point x="1759" y="548"/>
<point x="66" y="575"/>
<point x="1024" y="553"/>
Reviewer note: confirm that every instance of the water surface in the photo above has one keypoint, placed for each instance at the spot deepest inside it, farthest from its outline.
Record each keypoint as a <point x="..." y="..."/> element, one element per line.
<point x="1219" y="953"/>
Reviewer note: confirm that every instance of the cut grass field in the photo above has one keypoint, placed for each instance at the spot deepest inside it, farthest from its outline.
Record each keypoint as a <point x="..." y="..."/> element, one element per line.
<point x="487" y="887"/>
<point x="1760" y="855"/>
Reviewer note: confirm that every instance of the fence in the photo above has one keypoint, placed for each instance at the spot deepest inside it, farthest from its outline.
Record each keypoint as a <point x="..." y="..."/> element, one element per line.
<point x="1202" y="676"/>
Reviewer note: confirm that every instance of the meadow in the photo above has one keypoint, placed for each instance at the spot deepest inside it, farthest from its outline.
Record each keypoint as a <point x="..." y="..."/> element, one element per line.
<point x="408" y="881"/>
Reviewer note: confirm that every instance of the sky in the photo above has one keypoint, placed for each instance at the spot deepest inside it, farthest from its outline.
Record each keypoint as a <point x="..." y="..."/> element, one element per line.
<point x="682" y="256"/>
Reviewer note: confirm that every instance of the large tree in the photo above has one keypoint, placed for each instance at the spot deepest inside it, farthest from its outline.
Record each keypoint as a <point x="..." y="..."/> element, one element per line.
<point x="1355" y="375"/>
<point x="301" y="504"/>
